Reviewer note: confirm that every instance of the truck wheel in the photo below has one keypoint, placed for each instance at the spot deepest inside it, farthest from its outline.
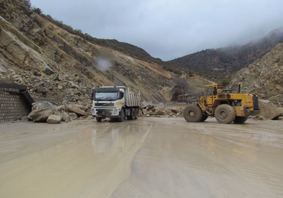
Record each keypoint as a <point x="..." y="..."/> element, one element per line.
<point x="204" y="117"/>
<point x="98" y="119"/>
<point x="131" y="116"/>
<point x="240" y="120"/>
<point x="122" y="118"/>
<point x="192" y="113"/>
<point x="225" y="114"/>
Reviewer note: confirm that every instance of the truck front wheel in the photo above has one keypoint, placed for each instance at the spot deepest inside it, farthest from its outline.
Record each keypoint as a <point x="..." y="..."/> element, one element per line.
<point x="122" y="116"/>
<point x="192" y="113"/>
<point x="98" y="119"/>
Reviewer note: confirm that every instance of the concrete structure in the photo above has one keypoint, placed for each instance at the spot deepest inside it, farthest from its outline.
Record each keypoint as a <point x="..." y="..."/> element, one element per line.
<point x="15" y="102"/>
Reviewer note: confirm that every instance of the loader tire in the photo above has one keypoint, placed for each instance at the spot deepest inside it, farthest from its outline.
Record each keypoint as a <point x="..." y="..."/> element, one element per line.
<point x="192" y="113"/>
<point x="225" y="114"/>
<point x="240" y="120"/>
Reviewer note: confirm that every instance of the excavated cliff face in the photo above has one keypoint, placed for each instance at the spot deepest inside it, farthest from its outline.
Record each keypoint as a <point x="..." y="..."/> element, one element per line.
<point x="263" y="77"/>
<point x="56" y="64"/>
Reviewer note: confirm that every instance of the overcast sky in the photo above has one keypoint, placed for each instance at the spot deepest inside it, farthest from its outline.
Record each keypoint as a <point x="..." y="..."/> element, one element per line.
<point x="169" y="29"/>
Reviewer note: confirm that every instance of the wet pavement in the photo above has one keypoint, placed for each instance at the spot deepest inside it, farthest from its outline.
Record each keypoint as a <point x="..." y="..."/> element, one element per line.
<point x="149" y="157"/>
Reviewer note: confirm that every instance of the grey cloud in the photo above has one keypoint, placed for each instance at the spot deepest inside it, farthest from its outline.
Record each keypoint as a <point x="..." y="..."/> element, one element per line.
<point x="170" y="29"/>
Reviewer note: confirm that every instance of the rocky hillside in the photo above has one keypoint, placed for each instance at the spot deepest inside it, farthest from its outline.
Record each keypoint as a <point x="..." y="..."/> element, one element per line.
<point x="61" y="66"/>
<point x="229" y="60"/>
<point x="263" y="77"/>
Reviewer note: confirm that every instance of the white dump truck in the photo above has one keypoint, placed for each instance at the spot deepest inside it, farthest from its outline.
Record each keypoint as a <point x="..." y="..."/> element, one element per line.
<point x="115" y="102"/>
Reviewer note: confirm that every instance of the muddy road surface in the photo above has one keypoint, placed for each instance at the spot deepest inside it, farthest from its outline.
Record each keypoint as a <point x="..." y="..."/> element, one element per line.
<point x="149" y="157"/>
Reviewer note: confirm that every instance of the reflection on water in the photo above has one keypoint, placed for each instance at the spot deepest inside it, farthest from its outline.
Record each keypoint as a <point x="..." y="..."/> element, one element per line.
<point x="89" y="163"/>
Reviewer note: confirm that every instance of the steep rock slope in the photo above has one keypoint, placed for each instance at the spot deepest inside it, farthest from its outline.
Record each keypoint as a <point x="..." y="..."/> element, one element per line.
<point x="263" y="77"/>
<point x="62" y="66"/>
<point x="230" y="59"/>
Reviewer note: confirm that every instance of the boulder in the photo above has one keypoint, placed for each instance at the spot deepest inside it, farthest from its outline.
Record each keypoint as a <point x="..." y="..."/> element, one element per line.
<point x="65" y="117"/>
<point x="40" y="115"/>
<point x="59" y="86"/>
<point x="159" y="112"/>
<point x="76" y="109"/>
<point x="42" y="110"/>
<point x="60" y="77"/>
<point x="174" y="110"/>
<point x="150" y="108"/>
<point x="41" y="89"/>
<point x="42" y="105"/>
<point x="73" y="116"/>
<point x="54" y="119"/>
<point x="268" y="110"/>
<point x="61" y="108"/>
<point x="48" y="70"/>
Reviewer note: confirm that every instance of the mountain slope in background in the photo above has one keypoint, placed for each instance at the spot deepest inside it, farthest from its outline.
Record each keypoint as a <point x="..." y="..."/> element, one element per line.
<point x="263" y="77"/>
<point x="56" y="64"/>
<point x="229" y="60"/>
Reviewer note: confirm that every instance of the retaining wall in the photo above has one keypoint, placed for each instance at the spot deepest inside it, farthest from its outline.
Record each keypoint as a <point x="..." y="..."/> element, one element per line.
<point x="15" y="102"/>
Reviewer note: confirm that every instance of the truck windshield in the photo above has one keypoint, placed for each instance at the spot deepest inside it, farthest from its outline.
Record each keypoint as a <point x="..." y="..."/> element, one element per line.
<point x="106" y="96"/>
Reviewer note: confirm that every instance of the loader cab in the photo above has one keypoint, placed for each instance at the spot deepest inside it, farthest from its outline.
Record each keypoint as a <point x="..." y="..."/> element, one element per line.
<point x="214" y="92"/>
<point x="211" y="92"/>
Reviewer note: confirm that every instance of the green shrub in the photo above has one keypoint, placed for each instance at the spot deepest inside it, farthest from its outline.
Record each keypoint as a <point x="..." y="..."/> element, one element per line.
<point x="225" y="81"/>
<point x="37" y="10"/>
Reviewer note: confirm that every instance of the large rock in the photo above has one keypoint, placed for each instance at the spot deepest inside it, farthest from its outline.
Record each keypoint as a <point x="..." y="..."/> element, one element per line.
<point x="268" y="110"/>
<point x="76" y="109"/>
<point x="42" y="105"/>
<point x="41" y="89"/>
<point x="40" y="115"/>
<point x="54" y="119"/>
<point x="42" y="110"/>
<point x="159" y="112"/>
<point x="73" y="116"/>
<point x="65" y="117"/>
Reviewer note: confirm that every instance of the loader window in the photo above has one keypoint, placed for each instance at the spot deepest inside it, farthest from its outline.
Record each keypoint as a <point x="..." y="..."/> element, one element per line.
<point x="209" y="90"/>
<point x="214" y="91"/>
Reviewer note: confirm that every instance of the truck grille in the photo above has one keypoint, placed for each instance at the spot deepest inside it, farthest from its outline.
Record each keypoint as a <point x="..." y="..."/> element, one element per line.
<point x="104" y="104"/>
<point x="255" y="102"/>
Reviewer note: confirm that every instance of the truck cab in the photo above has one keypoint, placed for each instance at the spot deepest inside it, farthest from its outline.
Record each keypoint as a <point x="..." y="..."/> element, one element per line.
<point x="114" y="102"/>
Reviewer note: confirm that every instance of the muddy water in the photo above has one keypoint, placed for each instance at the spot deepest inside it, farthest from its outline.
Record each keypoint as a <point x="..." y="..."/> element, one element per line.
<point x="90" y="162"/>
<point x="143" y="158"/>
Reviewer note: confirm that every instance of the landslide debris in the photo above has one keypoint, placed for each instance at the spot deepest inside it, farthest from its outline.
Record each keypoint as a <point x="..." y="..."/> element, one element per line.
<point x="61" y="67"/>
<point x="263" y="77"/>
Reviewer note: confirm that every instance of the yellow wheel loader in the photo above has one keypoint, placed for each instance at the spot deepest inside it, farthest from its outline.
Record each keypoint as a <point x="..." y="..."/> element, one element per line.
<point x="221" y="103"/>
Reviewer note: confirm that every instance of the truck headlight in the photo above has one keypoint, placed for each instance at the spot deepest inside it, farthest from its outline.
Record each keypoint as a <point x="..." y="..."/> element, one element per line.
<point x="115" y="111"/>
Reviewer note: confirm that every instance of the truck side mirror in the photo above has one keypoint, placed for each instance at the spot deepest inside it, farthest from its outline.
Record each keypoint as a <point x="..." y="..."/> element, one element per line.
<point x="92" y="96"/>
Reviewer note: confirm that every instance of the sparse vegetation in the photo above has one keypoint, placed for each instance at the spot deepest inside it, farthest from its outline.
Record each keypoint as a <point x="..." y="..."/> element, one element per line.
<point x="225" y="81"/>
<point x="26" y="2"/>
<point x="37" y="10"/>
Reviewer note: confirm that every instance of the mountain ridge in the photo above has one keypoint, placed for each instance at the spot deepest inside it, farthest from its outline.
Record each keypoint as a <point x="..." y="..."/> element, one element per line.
<point x="229" y="59"/>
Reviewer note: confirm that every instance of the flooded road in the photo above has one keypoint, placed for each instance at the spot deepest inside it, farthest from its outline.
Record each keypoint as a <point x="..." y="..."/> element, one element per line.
<point x="149" y="157"/>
